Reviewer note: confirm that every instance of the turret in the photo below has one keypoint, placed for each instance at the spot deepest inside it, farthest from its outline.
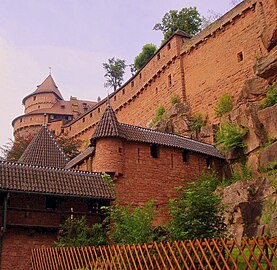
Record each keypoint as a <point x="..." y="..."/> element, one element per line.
<point x="45" y="96"/>
<point x="109" y="153"/>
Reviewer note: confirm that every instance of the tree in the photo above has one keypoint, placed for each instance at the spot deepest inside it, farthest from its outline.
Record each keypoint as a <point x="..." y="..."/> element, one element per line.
<point x="70" y="146"/>
<point x="13" y="150"/>
<point x="131" y="225"/>
<point x="212" y="16"/>
<point x="76" y="233"/>
<point x="197" y="212"/>
<point x="115" y="69"/>
<point x="148" y="50"/>
<point x="187" y="19"/>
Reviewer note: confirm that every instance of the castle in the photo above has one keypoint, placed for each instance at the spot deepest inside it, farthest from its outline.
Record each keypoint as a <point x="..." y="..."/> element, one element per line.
<point x="199" y="70"/>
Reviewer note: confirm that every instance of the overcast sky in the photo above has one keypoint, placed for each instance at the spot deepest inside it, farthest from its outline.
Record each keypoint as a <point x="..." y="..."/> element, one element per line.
<point x="74" y="37"/>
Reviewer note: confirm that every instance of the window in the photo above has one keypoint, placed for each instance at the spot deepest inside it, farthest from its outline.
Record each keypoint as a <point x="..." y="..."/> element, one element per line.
<point x="168" y="46"/>
<point x="84" y="119"/>
<point x="185" y="156"/>
<point x="208" y="162"/>
<point x="90" y="115"/>
<point x="140" y="75"/>
<point x="154" y="150"/>
<point x="156" y="90"/>
<point x="158" y="56"/>
<point x="114" y="98"/>
<point x="240" y="56"/>
<point x="99" y="110"/>
<point x="169" y="80"/>
<point x="120" y="150"/>
<point x="20" y="120"/>
<point x="51" y="202"/>
<point x="123" y="91"/>
<point x="62" y="106"/>
<point x="132" y="84"/>
<point x="35" y="97"/>
<point x="38" y="107"/>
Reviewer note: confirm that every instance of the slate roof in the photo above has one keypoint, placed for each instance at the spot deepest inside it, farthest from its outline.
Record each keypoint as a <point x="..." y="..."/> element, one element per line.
<point x="55" y="181"/>
<point x="86" y="153"/>
<point x="108" y="126"/>
<point x="44" y="150"/>
<point x="47" y="86"/>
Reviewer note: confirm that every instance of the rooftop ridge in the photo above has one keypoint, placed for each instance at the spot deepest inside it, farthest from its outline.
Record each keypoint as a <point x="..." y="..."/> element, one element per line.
<point x="12" y="163"/>
<point x="168" y="134"/>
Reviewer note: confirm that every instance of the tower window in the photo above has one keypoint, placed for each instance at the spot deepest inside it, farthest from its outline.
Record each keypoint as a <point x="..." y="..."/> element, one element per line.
<point x="208" y="162"/>
<point x="240" y="56"/>
<point x="114" y="98"/>
<point x="90" y="115"/>
<point x="140" y="75"/>
<point x="154" y="150"/>
<point x="51" y="203"/>
<point x="158" y="56"/>
<point x="84" y="119"/>
<point x="185" y="156"/>
<point x="169" y="80"/>
<point x="99" y="109"/>
<point x="132" y="84"/>
<point x="168" y="46"/>
<point x="35" y="97"/>
<point x="123" y="91"/>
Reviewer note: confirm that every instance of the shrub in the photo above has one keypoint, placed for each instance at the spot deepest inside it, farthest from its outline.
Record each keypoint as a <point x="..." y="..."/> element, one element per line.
<point x="175" y="99"/>
<point x="75" y="233"/>
<point x="224" y="105"/>
<point x="271" y="96"/>
<point x="198" y="121"/>
<point x="197" y="212"/>
<point x="131" y="225"/>
<point x="230" y="136"/>
<point x="159" y="115"/>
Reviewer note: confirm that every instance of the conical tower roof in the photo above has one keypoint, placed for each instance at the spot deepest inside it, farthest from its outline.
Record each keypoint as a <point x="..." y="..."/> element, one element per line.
<point x="47" y="86"/>
<point x="108" y="125"/>
<point x="44" y="150"/>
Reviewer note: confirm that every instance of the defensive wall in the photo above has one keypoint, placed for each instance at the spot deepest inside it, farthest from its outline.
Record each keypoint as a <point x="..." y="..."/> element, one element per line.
<point x="199" y="70"/>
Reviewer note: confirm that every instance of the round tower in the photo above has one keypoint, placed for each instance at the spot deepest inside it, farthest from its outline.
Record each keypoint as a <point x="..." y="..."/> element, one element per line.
<point x="36" y="105"/>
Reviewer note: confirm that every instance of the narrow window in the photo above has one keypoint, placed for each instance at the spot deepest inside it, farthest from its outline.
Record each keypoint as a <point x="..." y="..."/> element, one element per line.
<point x="156" y="90"/>
<point x="168" y="46"/>
<point x="99" y="110"/>
<point x="154" y="150"/>
<point x="132" y="84"/>
<point x="38" y="107"/>
<point x="120" y="150"/>
<point x="208" y="162"/>
<point x="140" y="75"/>
<point x="35" y="97"/>
<point x="70" y="128"/>
<point x="84" y="119"/>
<point x="158" y="56"/>
<point x="90" y="115"/>
<point x="172" y="161"/>
<point x="20" y="120"/>
<point x="114" y="98"/>
<point x="169" y="80"/>
<point x="240" y="56"/>
<point x="123" y="91"/>
<point x="185" y="156"/>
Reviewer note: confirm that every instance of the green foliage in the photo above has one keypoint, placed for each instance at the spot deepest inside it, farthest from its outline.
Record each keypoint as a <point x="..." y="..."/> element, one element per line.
<point x="197" y="122"/>
<point x="115" y="69"/>
<point x="148" y="51"/>
<point x="230" y="136"/>
<point x="75" y="233"/>
<point x="224" y="105"/>
<point x="70" y="146"/>
<point x="271" y="96"/>
<point x="187" y="19"/>
<point x="197" y="212"/>
<point x="14" y="149"/>
<point x="269" y="207"/>
<point x="175" y="99"/>
<point x="160" y="113"/>
<point x="132" y="225"/>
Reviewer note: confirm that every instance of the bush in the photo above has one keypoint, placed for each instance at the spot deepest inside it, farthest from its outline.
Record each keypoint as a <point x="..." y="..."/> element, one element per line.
<point x="197" y="212"/>
<point x="223" y="105"/>
<point x="132" y="225"/>
<point x="159" y="115"/>
<point x="75" y="233"/>
<point x="198" y="121"/>
<point x="230" y="136"/>
<point x="271" y="96"/>
<point x="175" y="99"/>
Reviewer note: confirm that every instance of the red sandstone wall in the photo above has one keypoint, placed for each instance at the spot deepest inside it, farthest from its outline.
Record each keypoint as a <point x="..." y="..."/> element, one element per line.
<point x="17" y="246"/>
<point x="145" y="178"/>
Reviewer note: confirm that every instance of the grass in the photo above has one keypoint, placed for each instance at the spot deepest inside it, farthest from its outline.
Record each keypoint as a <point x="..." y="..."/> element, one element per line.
<point x="242" y="263"/>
